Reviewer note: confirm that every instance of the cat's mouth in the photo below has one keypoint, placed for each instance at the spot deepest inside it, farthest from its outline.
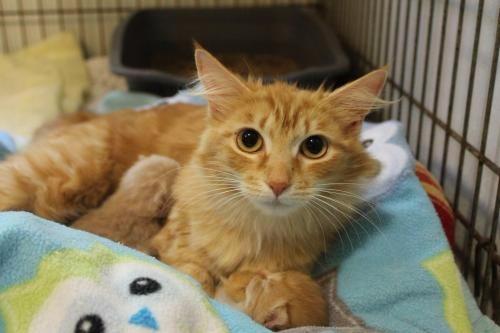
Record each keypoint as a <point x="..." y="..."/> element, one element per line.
<point x="273" y="203"/>
<point x="274" y="206"/>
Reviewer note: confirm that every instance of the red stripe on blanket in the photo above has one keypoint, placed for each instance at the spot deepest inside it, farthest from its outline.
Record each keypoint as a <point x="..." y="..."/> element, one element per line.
<point x="438" y="199"/>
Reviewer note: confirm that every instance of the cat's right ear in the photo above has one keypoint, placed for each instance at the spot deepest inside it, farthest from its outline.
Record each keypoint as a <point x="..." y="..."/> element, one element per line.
<point x="355" y="100"/>
<point x="220" y="86"/>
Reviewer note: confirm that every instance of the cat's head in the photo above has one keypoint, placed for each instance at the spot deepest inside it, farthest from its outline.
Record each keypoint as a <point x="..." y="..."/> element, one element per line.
<point x="279" y="148"/>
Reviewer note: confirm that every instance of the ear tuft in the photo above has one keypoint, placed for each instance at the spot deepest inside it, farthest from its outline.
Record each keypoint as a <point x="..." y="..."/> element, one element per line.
<point x="355" y="100"/>
<point x="197" y="46"/>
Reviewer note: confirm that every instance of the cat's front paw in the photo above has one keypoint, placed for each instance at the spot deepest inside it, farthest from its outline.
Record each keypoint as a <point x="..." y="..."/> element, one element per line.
<point x="276" y="300"/>
<point x="272" y="311"/>
<point x="200" y="274"/>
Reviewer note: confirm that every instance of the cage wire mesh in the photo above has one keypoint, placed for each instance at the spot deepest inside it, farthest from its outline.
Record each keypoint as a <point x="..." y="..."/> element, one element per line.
<point x="443" y="60"/>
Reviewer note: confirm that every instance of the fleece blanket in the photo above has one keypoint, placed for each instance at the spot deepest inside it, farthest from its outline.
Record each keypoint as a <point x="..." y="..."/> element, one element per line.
<point x="390" y="271"/>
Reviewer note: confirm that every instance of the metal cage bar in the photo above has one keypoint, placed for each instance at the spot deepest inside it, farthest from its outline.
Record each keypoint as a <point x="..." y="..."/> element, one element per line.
<point x="477" y="249"/>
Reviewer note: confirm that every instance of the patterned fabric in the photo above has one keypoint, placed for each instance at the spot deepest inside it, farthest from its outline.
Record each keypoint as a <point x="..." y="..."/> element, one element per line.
<point x="65" y="280"/>
<point x="438" y="199"/>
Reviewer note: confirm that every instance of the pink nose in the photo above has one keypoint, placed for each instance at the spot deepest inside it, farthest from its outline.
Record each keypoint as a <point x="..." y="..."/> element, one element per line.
<point x="278" y="187"/>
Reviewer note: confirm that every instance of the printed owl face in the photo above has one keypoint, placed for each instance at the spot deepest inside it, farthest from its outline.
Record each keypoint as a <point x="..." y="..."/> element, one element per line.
<point x="100" y="291"/>
<point x="128" y="297"/>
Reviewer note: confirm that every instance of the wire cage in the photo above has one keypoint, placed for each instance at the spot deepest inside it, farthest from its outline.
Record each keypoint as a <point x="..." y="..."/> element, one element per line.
<point x="23" y="22"/>
<point x="443" y="59"/>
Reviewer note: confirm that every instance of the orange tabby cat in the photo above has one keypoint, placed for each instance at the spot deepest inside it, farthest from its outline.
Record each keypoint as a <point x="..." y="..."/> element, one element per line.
<point x="267" y="175"/>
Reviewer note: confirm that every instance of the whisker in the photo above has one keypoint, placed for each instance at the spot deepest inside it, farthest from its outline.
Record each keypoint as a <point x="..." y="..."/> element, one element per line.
<point x="359" y="213"/>
<point x="314" y="219"/>
<point x="346" y="193"/>
<point x="327" y="219"/>
<point x="347" y="217"/>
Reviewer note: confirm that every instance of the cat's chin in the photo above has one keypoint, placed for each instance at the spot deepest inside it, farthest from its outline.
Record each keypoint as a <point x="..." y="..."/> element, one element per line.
<point x="274" y="207"/>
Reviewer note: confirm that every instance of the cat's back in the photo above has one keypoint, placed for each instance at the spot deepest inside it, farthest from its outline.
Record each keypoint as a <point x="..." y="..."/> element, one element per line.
<point x="169" y="130"/>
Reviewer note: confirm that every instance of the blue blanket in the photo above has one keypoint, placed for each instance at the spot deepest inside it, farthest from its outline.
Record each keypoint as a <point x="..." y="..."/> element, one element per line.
<point x="391" y="271"/>
<point x="57" y="279"/>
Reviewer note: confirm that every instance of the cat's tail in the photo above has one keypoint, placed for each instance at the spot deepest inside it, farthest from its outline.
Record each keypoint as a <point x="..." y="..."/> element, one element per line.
<point x="14" y="192"/>
<point x="61" y="176"/>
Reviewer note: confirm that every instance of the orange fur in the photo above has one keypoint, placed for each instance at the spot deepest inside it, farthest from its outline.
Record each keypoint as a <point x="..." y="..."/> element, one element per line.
<point x="277" y="300"/>
<point x="225" y="217"/>
<point x="136" y="211"/>
<point x="73" y="168"/>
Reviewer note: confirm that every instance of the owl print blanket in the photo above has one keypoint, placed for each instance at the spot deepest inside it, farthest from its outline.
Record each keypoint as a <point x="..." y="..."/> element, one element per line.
<point x="390" y="271"/>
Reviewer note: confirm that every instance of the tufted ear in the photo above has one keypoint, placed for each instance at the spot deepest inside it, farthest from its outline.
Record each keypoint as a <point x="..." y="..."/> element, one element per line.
<point x="355" y="100"/>
<point x="220" y="85"/>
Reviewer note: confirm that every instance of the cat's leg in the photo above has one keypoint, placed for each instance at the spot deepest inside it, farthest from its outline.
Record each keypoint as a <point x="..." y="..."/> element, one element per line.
<point x="61" y="176"/>
<point x="199" y="273"/>
<point x="172" y="246"/>
<point x="131" y="215"/>
<point x="277" y="300"/>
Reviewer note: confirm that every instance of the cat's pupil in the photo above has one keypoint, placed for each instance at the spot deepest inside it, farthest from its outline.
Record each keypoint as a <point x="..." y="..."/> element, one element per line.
<point x="90" y="323"/>
<point x="250" y="138"/>
<point x="314" y="144"/>
<point x="144" y="286"/>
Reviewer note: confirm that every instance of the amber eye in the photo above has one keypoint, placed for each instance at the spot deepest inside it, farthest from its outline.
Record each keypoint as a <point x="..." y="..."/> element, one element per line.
<point x="314" y="146"/>
<point x="249" y="140"/>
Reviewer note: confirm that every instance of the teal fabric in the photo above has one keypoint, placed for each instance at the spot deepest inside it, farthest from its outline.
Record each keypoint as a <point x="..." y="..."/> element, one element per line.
<point x="118" y="100"/>
<point x="7" y="144"/>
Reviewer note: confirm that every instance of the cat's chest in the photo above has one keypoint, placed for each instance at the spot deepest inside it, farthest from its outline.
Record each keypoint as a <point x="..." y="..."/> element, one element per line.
<point x="226" y="249"/>
<point x="231" y="249"/>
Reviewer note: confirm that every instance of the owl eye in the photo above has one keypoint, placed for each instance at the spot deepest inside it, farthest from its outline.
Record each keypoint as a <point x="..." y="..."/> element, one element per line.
<point x="367" y="143"/>
<point x="314" y="147"/>
<point x="90" y="323"/>
<point x="144" y="286"/>
<point x="249" y="140"/>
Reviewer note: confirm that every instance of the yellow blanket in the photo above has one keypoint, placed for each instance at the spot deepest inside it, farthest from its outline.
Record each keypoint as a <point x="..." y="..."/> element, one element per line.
<point x="40" y="82"/>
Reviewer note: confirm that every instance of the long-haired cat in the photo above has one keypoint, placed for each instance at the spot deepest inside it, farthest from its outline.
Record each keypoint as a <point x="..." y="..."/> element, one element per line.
<point x="268" y="172"/>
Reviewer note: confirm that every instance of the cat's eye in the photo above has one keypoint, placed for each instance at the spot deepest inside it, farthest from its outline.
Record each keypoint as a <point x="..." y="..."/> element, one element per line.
<point x="249" y="140"/>
<point x="314" y="147"/>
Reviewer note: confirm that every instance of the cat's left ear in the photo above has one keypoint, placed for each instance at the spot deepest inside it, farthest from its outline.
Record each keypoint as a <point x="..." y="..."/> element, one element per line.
<point x="220" y="85"/>
<point x="355" y="100"/>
